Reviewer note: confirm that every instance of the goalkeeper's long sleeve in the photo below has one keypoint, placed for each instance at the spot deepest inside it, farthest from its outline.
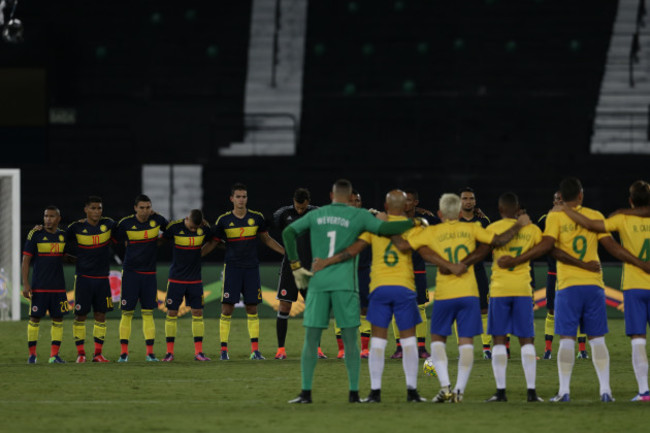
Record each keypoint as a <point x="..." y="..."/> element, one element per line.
<point x="394" y="227"/>
<point x="290" y="246"/>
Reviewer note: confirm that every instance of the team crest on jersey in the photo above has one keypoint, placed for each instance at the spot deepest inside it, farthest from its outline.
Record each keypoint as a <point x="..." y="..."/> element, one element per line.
<point x="152" y="223"/>
<point x="34" y="308"/>
<point x="283" y="292"/>
<point x="61" y="238"/>
<point x="102" y="227"/>
<point x="251" y="222"/>
<point x="199" y="231"/>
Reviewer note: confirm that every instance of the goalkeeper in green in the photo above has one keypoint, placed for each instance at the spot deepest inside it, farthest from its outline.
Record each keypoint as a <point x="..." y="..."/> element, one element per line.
<point x="332" y="229"/>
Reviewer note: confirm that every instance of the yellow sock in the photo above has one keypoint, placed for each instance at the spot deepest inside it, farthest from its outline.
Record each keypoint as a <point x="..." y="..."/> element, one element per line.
<point x="455" y="328"/>
<point x="198" y="327"/>
<point x="57" y="331"/>
<point x="337" y="330"/>
<point x="224" y="328"/>
<point x="421" y="328"/>
<point x="32" y="331"/>
<point x="365" y="326"/>
<point x="125" y="325"/>
<point x="171" y="325"/>
<point x="549" y="324"/>
<point x="581" y="335"/>
<point x="485" y="338"/>
<point x="148" y="325"/>
<point x="395" y="329"/>
<point x="79" y="330"/>
<point x="253" y="325"/>
<point x="99" y="331"/>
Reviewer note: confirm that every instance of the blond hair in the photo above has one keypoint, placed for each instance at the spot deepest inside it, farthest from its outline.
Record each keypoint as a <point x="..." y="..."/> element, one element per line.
<point x="449" y="205"/>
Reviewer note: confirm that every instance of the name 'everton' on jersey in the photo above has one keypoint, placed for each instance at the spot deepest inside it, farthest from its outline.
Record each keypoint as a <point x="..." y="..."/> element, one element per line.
<point x="141" y="241"/>
<point x="90" y="244"/>
<point x="240" y="235"/>
<point x="46" y="250"/>
<point x="186" y="257"/>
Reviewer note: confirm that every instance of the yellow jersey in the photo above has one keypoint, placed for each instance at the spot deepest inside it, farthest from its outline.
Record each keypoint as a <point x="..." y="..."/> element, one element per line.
<point x="635" y="237"/>
<point x="578" y="242"/>
<point x="513" y="281"/>
<point x="453" y="240"/>
<point x="390" y="266"/>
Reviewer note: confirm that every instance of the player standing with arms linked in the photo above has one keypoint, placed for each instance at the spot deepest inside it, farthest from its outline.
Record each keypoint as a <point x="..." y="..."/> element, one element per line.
<point x="240" y="229"/>
<point x="89" y="241"/>
<point x="139" y="232"/>
<point x="44" y="247"/>
<point x="332" y="229"/>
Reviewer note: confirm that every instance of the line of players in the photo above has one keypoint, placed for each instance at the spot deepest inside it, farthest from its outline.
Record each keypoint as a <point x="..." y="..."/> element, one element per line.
<point x="87" y="243"/>
<point x="88" y="239"/>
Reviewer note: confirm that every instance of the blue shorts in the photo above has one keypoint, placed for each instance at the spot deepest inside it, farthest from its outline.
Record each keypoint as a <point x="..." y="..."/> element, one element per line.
<point x="421" y="287"/>
<point x="238" y="281"/>
<point x="192" y="292"/>
<point x="511" y="315"/>
<point x="583" y="307"/>
<point x="92" y="292"/>
<point x="465" y="311"/>
<point x="386" y="301"/>
<point x="56" y="302"/>
<point x="364" y="286"/>
<point x="142" y="287"/>
<point x="637" y="311"/>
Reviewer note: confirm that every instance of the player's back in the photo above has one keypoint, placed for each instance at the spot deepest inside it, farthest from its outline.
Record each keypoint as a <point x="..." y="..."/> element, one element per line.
<point x="513" y="281"/>
<point x="634" y="232"/>
<point x="578" y="242"/>
<point x="390" y="266"/>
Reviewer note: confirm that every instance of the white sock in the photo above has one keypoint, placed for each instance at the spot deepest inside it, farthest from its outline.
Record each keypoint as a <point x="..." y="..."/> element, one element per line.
<point x="565" y="361"/>
<point x="465" y="363"/>
<point x="640" y="363"/>
<point x="376" y="361"/>
<point x="600" y="358"/>
<point x="499" y="364"/>
<point x="529" y="362"/>
<point x="440" y="362"/>
<point x="410" y="361"/>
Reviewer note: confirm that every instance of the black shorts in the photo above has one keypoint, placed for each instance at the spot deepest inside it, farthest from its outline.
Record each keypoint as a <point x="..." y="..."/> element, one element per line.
<point x="238" y="281"/>
<point x="92" y="292"/>
<point x="287" y="290"/>
<point x="139" y="287"/>
<point x="421" y="287"/>
<point x="192" y="292"/>
<point x="56" y="302"/>
<point x="364" y="286"/>
<point x="551" y="280"/>
<point x="483" y="285"/>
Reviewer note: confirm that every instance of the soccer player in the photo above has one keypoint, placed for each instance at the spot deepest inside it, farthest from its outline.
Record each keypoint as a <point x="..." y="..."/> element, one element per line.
<point x="89" y="241"/>
<point x="511" y="305"/>
<point x="635" y="237"/>
<point x="188" y="236"/>
<point x="472" y="214"/>
<point x="139" y="232"/>
<point x="580" y="296"/>
<point x="551" y="282"/>
<point x="287" y="290"/>
<point x="44" y="247"/>
<point x="392" y="291"/>
<point x="333" y="228"/>
<point x="456" y="297"/>
<point x="240" y="229"/>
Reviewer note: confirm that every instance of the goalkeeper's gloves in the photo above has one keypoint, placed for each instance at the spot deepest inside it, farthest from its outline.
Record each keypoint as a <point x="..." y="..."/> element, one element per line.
<point x="420" y="222"/>
<point x="300" y="275"/>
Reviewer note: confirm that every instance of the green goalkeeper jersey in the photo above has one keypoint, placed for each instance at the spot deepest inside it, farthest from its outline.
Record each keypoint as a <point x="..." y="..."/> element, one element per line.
<point x="333" y="228"/>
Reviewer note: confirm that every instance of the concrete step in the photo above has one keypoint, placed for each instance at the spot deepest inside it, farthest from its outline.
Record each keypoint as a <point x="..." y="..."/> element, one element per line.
<point x="259" y="149"/>
<point x="620" y="146"/>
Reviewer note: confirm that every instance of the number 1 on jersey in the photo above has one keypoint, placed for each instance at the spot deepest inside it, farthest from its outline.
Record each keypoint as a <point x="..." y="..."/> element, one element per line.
<point x="332" y="236"/>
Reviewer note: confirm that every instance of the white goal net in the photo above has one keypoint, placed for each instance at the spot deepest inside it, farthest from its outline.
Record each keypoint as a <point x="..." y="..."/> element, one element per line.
<point x="10" y="246"/>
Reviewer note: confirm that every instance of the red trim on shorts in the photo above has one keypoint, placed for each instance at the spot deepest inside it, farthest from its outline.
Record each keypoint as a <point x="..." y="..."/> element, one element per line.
<point x="186" y="248"/>
<point x="25" y="253"/>
<point x="48" y="291"/>
<point x="92" y="247"/>
<point x="51" y="255"/>
<point x="552" y="273"/>
<point x="419" y="272"/>
<point x="95" y="277"/>
<point x="143" y="241"/>
<point x="145" y="273"/>
<point x="185" y="282"/>
<point x="245" y="238"/>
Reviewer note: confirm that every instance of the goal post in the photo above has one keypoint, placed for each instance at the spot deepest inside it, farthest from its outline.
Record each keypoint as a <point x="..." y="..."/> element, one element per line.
<point x="10" y="246"/>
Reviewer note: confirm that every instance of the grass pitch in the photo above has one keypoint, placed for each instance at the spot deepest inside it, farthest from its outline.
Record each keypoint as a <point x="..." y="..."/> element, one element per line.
<point x="243" y="395"/>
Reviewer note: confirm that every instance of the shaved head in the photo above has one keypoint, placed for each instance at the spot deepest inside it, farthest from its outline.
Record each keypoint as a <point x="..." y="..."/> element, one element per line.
<point x="396" y="202"/>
